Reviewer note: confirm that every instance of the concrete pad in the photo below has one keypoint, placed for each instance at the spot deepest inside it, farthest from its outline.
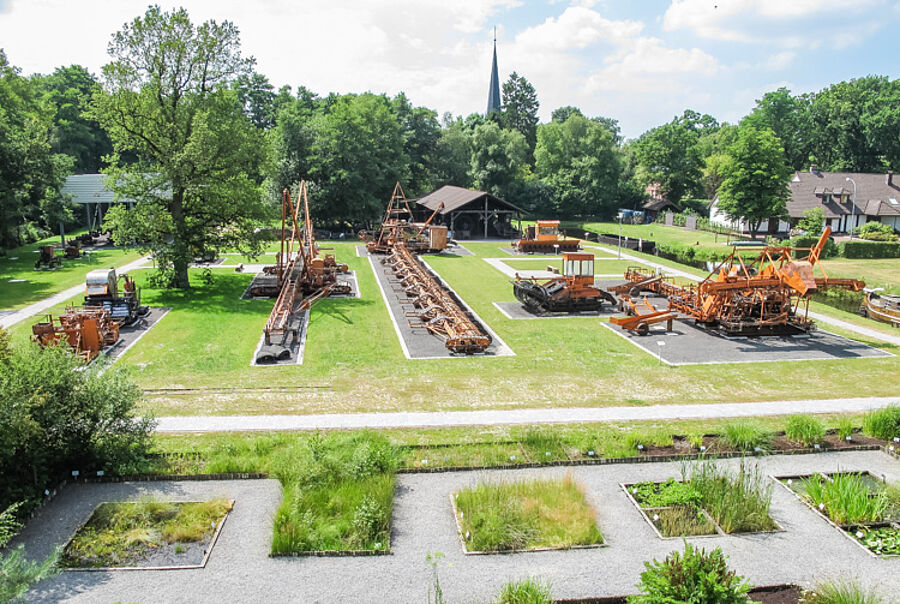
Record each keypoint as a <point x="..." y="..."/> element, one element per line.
<point x="515" y="310"/>
<point x="129" y="336"/>
<point x="688" y="344"/>
<point x="285" y="346"/>
<point x="420" y="343"/>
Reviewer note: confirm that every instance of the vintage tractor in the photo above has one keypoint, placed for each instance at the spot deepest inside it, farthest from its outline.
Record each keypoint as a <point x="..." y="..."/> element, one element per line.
<point x="543" y="238"/>
<point x="102" y="291"/>
<point x="571" y="291"/>
<point x="48" y="258"/>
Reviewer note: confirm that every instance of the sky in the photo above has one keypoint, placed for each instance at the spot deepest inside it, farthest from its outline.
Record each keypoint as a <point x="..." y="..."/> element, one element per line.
<point x="640" y="62"/>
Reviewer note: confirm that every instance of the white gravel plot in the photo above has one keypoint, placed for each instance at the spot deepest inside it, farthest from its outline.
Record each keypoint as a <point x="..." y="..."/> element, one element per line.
<point x="239" y="569"/>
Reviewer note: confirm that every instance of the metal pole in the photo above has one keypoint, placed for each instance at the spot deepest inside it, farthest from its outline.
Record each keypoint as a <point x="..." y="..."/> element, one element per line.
<point x="620" y="237"/>
<point x="852" y="207"/>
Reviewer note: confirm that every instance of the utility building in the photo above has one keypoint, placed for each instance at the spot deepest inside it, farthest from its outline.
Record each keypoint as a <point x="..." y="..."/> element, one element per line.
<point x="470" y="214"/>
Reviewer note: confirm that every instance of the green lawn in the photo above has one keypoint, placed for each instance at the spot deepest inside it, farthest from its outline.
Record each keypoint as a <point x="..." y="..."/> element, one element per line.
<point x="880" y="272"/>
<point x="601" y="267"/>
<point x="354" y="360"/>
<point x="43" y="283"/>
<point x="659" y="233"/>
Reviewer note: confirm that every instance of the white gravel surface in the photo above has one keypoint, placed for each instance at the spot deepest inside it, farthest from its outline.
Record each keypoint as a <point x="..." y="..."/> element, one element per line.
<point x="239" y="569"/>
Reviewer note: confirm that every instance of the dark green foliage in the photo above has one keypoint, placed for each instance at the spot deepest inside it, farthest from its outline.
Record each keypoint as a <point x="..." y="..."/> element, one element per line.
<point x="31" y="174"/>
<point x="696" y="576"/>
<point x="56" y="417"/>
<point x="499" y="158"/>
<point x="526" y="591"/>
<point x="883" y="423"/>
<point x="669" y="155"/>
<point x="876" y="231"/>
<point x="870" y="249"/>
<point x="830" y="250"/>
<point x="813" y="222"/>
<point x="519" y="109"/>
<point x="16" y="572"/>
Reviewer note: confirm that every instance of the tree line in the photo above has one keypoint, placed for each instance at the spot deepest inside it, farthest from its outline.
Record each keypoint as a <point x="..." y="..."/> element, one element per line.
<point x="182" y="122"/>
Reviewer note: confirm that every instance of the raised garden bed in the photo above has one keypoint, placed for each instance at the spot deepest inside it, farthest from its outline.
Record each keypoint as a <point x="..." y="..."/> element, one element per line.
<point x="707" y="502"/>
<point x="858" y="504"/>
<point x="146" y="534"/>
<point x="534" y="515"/>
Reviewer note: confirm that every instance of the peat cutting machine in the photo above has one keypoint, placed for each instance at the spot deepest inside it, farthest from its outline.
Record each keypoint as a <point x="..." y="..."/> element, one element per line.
<point x="436" y="308"/>
<point x="398" y="226"/>
<point x="572" y="290"/>
<point x="299" y="277"/>
<point x="543" y="238"/>
<point x="768" y="295"/>
<point x="86" y="330"/>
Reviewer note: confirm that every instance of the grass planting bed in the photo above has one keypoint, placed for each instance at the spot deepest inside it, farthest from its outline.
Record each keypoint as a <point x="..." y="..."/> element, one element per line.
<point x="859" y="504"/>
<point x="707" y="501"/>
<point x="147" y="534"/>
<point x="531" y="515"/>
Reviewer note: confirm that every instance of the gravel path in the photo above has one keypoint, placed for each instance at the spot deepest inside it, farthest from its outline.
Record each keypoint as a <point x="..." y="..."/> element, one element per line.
<point x="565" y="415"/>
<point x="239" y="569"/>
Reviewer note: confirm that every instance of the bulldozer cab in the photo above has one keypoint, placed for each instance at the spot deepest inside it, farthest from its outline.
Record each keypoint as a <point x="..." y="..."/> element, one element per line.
<point x="546" y="230"/>
<point x="579" y="265"/>
<point x="102" y="282"/>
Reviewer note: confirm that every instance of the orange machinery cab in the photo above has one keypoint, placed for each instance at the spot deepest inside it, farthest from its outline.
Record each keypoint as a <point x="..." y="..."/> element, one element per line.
<point x="578" y="267"/>
<point x="546" y="230"/>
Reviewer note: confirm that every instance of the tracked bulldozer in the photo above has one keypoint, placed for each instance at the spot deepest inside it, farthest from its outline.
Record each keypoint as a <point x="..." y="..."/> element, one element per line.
<point x="572" y="291"/>
<point x="543" y="238"/>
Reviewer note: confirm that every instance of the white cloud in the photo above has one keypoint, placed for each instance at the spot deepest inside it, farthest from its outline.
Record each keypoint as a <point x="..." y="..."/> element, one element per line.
<point x="786" y="21"/>
<point x="577" y="27"/>
<point x="780" y="60"/>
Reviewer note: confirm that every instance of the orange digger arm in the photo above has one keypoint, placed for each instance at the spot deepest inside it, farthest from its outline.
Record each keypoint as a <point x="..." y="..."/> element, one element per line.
<point x="817" y="250"/>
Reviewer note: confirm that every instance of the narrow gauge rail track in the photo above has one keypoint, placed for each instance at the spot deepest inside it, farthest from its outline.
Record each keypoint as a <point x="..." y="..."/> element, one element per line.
<point x="233" y="389"/>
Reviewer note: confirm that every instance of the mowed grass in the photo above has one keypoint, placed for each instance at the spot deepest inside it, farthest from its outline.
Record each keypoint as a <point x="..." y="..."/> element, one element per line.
<point x="526" y="514"/>
<point x="659" y="233"/>
<point x="122" y="533"/>
<point x="40" y="284"/>
<point x="876" y="272"/>
<point x="353" y="360"/>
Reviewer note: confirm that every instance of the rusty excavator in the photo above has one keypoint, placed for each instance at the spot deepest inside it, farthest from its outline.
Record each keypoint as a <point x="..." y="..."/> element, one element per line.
<point x="768" y="295"/>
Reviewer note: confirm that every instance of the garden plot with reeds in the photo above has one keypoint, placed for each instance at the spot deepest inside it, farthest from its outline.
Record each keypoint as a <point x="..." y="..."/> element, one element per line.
<point x="709" y="500"/>
<point x="146" y="534"/>
<point x="525" y="515"/>
<point x="862" y="506"/>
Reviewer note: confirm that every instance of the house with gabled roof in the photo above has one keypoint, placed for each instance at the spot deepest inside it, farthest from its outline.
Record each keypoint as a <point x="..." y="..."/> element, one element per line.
<point x="875" y="197"/>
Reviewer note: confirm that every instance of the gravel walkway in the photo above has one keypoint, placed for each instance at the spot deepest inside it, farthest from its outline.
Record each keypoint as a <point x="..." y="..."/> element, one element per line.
<point x="564" y="415"/>
<point x="239" y="570"/>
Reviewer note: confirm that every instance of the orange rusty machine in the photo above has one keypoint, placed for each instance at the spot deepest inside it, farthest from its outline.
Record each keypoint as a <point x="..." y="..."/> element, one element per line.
<point x="86" y="330"/>
<point x="768" y="295"/>
<point x="571" y="291"/>
<point x="543" y="238"/>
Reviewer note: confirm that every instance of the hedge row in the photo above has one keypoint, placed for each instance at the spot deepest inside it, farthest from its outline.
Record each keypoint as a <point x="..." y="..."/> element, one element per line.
<point x="870" y="249"/>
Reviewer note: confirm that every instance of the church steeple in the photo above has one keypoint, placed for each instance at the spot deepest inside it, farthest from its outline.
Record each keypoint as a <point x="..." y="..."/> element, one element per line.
<point x="493" y="103"/>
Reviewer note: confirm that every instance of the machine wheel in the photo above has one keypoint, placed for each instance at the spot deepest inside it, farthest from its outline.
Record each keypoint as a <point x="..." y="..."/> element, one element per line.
<point x="642" y="329"/>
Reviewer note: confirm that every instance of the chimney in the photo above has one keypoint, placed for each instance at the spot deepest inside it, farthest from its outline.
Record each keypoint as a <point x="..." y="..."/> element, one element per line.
<point x="813" y="169"/>
<point x="890" y="178"/>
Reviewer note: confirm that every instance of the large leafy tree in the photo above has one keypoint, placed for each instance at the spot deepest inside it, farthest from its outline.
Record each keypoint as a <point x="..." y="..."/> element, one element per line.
<point x="167" y="98"/>
<point x="450" y="162"/>
<point x="499" y="159"/>
<point x="421" y="133"/>
<point x="356" y="157"/>
<point x="69" y="91"/>
<point x="881" y="122"/>
<point x="669" y="155"/>
<point x="788" y="117"/>
<point x="257" y="97"/>
<point x="520" y="108"/>
<point x="754" y="178"/>
<point x="579" y="160"/>
<point x="30" y="172"/>
<point x="839" y="117"/>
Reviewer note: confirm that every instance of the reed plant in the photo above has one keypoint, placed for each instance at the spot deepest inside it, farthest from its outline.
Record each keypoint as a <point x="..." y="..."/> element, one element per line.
<point x="738" y="501"/>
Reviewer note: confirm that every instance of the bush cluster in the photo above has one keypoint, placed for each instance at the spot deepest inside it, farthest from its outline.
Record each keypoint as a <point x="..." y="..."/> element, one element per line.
<point x="57" y="416"/>
<point x="870" y="249"/>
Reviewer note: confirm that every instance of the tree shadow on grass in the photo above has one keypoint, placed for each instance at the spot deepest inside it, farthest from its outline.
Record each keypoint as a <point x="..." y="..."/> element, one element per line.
<point x="221" y="295"/>
<point x="335" y="307"/>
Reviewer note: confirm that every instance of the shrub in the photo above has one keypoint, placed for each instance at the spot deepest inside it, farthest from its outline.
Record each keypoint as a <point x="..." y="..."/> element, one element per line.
<point x="870" y="249"/>
<point x="875" y="231"/>
<point x="695" y="576"/>
<point x="804" y="429"/>
<point x="806" y="241"/>
<point x="841" y="591"/>
<point x="747" y="436"/>
<point x="883" y="423"/>
<point x="844" y="427"/>
<point x="57" y="416"/>
<point x="668" y="493"/>
<point x="16" y="572"/>
<point x="526" y="591"/>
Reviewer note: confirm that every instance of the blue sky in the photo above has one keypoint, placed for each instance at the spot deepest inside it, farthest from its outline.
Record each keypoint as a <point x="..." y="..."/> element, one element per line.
<point x="640" y="62"/>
